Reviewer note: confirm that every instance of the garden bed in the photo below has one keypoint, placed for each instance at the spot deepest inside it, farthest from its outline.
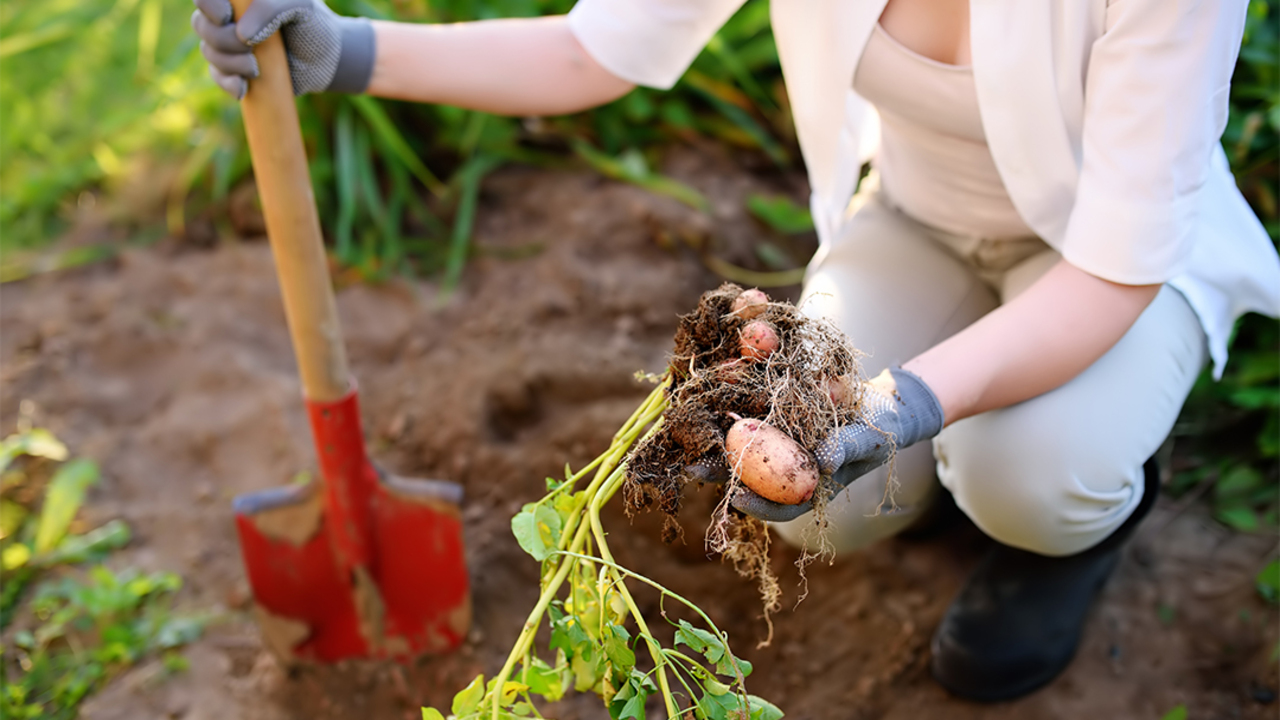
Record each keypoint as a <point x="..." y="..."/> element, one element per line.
<point x="171" y="367"/>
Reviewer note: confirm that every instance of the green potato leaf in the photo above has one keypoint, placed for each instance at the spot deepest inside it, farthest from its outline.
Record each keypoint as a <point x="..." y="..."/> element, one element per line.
<point x="712" y="649"/>
<point x="729" y="705"/>
<point x="537" y="529"/>
<point x="544" y="680"/>
<point x="633" y="708"/>
<point x="587" y="668"/>
<point x="720" y="707"/>
<point x="715" y="687"/>
<point x="468" y="699"/>
<point x="567" y="633"/>
<point x="762" y="709"/>
<point x="630" y="699"/>
<point x="616" y="649"/>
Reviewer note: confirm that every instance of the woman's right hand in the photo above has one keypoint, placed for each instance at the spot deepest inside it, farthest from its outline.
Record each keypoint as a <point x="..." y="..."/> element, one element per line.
<point x="327" y="52"/>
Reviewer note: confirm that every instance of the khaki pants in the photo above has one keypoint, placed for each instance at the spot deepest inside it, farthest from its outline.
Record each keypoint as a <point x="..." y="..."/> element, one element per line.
<point x="1055" y="474"/>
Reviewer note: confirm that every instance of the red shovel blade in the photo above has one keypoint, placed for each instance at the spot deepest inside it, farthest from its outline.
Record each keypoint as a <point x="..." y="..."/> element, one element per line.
<point x="402" y="592"/>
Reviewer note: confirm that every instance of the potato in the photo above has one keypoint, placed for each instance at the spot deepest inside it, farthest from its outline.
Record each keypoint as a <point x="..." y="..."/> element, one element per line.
<point x="758" y="340"/>
<point x="730" y="371"/>
<point x="770" y="463"/>
<point x="842" y="390"/>
<point x="750" y="304"/>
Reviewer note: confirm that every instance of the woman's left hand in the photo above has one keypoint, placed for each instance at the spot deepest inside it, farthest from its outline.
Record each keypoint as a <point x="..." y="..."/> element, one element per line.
<point x="899" y="410"/>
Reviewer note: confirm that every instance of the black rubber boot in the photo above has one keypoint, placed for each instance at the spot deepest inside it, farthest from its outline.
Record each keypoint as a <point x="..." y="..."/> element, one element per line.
<point x="1017" y="623"/>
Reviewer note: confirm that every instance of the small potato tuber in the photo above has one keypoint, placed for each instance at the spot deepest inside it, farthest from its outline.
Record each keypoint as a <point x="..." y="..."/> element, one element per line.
<point x="773" y="465"/>
<point x="842" y="391"/>
<point x="758" y="340"/>
<point x="730" y="371"/>
<point x="750" y="304"/>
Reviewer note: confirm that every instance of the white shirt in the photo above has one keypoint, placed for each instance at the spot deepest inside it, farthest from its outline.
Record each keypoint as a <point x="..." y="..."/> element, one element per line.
<point x="1103" y="120"/>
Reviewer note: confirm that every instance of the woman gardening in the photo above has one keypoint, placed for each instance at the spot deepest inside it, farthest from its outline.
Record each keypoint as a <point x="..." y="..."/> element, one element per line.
<point x="1049" y="248"/>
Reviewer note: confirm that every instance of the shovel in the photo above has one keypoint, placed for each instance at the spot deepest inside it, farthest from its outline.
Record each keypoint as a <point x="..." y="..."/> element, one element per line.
<point x="359" y="564"/>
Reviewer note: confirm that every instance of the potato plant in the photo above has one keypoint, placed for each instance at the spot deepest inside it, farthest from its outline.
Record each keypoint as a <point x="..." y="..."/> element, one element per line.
<point x="586" y="603"/>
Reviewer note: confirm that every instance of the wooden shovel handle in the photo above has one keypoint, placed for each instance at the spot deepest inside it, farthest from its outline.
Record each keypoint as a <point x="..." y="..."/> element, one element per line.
<point x="280" y="169"/>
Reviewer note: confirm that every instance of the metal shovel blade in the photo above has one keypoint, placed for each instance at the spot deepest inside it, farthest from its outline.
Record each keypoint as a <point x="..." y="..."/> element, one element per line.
<point x="360" y="564"/>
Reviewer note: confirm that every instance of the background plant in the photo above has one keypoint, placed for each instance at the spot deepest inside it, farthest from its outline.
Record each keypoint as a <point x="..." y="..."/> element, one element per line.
<point x="1229" y="432"/>
<point x="66" y="635"/>
<point x="109" y="86"/>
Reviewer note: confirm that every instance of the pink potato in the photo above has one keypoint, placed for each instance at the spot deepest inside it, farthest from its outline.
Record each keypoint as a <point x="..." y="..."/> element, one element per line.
<point x="750" y="304"/>
<point x="770" y="463"/>
<point x="730" y="371"/>
<point x="842" y="390"/>
<point x="758" y="340"/>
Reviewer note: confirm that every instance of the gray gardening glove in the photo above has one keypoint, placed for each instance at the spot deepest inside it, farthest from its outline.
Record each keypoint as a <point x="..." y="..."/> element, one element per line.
<point x="901" y="411"/>
<point x="327" y="52"/>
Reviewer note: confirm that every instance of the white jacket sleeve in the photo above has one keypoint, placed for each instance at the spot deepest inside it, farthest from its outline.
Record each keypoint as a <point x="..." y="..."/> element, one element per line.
<point x="648" y="42"/>
<point x="1155" y="108"/>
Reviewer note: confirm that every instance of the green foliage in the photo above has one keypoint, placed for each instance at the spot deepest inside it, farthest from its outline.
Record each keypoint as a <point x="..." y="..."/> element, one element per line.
<point x="587" y="604"/>
<point x="781" y="214"/>
<point x="111" y="88"/>
<point x="31" y="540"/>
<point x="1268" y="582"/>
<point x="78" y="630"/>
<point x="91" y="90"/>
<point x="1177" y="713"/>
<point x="89" y="629"/>
<point x="1231" y="429"/>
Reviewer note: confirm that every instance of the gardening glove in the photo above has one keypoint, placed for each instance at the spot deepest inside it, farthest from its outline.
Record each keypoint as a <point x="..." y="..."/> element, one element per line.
<point x="327" y="52"/>
<point x="899" y="410"/>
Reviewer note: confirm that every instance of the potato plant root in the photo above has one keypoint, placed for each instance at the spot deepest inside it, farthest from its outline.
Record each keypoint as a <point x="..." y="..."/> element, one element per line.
<point x="737" y="355"/>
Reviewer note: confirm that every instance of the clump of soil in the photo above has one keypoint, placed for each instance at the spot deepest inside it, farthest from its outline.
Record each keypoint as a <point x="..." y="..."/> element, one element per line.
<point x="714" y="382"/>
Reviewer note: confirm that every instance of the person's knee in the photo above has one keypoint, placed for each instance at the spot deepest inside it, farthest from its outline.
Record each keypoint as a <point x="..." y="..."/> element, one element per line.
<point x="1024" y="491"/>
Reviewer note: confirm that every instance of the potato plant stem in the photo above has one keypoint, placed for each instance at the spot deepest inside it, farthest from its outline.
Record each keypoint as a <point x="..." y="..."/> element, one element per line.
<point x="674" y="595"/>
<point x="655" y="649"/>
<point x="608" y="478"/>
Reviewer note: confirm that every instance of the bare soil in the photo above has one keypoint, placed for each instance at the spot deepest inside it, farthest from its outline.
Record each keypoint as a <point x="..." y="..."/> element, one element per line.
<point x="172" y="368"/>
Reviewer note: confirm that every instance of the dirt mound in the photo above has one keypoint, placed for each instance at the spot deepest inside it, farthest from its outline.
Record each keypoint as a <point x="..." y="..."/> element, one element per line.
<point x="174" y="371"/>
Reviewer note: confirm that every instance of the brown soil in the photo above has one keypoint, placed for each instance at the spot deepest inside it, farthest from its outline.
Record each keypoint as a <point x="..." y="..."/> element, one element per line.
<point x="173" y="369"/>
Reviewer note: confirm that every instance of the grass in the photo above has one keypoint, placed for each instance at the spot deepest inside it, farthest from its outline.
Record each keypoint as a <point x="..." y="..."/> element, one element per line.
<point x="391" y="179"/>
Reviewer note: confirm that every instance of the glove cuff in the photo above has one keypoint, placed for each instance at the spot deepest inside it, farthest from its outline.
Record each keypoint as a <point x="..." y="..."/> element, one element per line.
<point x="355" y="61"/>
<point x="919" y="413"/>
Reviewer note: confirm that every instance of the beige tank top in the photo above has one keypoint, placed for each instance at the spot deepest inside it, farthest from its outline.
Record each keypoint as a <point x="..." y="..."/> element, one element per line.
<point x="933" y="159"/>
